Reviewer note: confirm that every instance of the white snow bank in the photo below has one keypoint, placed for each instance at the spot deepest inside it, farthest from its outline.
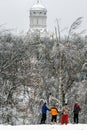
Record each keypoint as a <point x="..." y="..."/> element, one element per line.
<point x="46" y="127"/>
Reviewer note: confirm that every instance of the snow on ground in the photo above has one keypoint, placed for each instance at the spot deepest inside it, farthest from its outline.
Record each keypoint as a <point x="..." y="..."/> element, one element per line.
<point x="46" y="127"/>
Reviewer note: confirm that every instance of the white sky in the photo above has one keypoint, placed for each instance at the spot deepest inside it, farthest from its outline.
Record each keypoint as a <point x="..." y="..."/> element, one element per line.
<point x="46" y="127"/>
<point x="14" y="14"/>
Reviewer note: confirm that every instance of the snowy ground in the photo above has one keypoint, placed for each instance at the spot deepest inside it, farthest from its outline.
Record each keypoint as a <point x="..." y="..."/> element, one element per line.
<point x="46" y="127"/>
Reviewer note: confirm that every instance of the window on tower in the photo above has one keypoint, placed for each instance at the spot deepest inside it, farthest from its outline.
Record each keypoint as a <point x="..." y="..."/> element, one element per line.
<point x="34" y="12"/>
<point x="37" y="21"/>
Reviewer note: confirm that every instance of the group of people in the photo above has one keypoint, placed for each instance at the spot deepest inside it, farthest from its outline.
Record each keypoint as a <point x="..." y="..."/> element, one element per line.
<point x="64" y="113"/>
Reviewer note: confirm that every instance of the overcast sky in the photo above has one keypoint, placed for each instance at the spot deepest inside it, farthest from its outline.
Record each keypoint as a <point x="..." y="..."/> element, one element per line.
<point x="14" y="14"/>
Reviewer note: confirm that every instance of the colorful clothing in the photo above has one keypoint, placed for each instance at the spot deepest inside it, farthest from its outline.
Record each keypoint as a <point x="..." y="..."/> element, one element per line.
<point x="54" y="113"/>
<point x="76" y="111"/>
<point x="44" y="111"/>
<point x="65" y="117"/>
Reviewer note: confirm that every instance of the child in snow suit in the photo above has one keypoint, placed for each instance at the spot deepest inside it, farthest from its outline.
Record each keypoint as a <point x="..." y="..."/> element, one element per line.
<point x="54" y="113"/>
<point x="76" y="111"/>
<point x="65" y="117"/>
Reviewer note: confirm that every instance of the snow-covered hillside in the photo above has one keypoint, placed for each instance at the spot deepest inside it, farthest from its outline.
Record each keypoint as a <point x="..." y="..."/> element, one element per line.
<point x="38" y="70"/>
<point x="46" y="127"/>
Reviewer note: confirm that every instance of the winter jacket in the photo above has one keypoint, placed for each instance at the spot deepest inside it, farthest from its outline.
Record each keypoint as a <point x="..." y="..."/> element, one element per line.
<point x="66" y="109"/>
<point x="54" y="111"/>
<point x="77" y="108"/>
<point x="44" y="109"/>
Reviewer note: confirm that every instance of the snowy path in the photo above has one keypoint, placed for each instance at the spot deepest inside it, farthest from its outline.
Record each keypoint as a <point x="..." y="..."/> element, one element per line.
<point x="45" y="127"/>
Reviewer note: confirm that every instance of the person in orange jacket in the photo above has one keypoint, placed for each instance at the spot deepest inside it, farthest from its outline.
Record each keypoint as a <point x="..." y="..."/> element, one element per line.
<point x="54" y="113"/>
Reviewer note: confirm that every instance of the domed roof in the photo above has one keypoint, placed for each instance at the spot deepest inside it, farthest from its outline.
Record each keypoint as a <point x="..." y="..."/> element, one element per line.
<point x="84" y="67"/>
<point x="38" y="6"/>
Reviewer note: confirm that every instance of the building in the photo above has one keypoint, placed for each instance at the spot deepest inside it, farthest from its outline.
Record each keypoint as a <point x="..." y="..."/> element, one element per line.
<point x="38" y="21"/>
<point x="38" y="17"/>
<point x="84" y="71"/>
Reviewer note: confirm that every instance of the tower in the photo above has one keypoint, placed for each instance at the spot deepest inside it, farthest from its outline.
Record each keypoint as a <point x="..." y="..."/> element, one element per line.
<point x="38" y="17"/>
<point x="84" y="71"/>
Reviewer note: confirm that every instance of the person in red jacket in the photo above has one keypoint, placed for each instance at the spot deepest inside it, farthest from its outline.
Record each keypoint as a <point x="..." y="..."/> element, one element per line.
<point x="76" y="111"/>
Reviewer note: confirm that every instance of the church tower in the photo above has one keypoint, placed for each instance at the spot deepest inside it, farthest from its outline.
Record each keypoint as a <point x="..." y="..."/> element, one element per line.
<point x="38" y="17"/>
<point x="84" y="71"/>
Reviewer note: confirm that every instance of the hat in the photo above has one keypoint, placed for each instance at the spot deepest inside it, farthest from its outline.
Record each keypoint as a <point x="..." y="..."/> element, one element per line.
<point x="45" y="101"/>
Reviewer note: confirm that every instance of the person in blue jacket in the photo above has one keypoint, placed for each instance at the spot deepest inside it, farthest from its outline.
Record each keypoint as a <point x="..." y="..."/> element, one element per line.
<point x="44" y="113"/>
